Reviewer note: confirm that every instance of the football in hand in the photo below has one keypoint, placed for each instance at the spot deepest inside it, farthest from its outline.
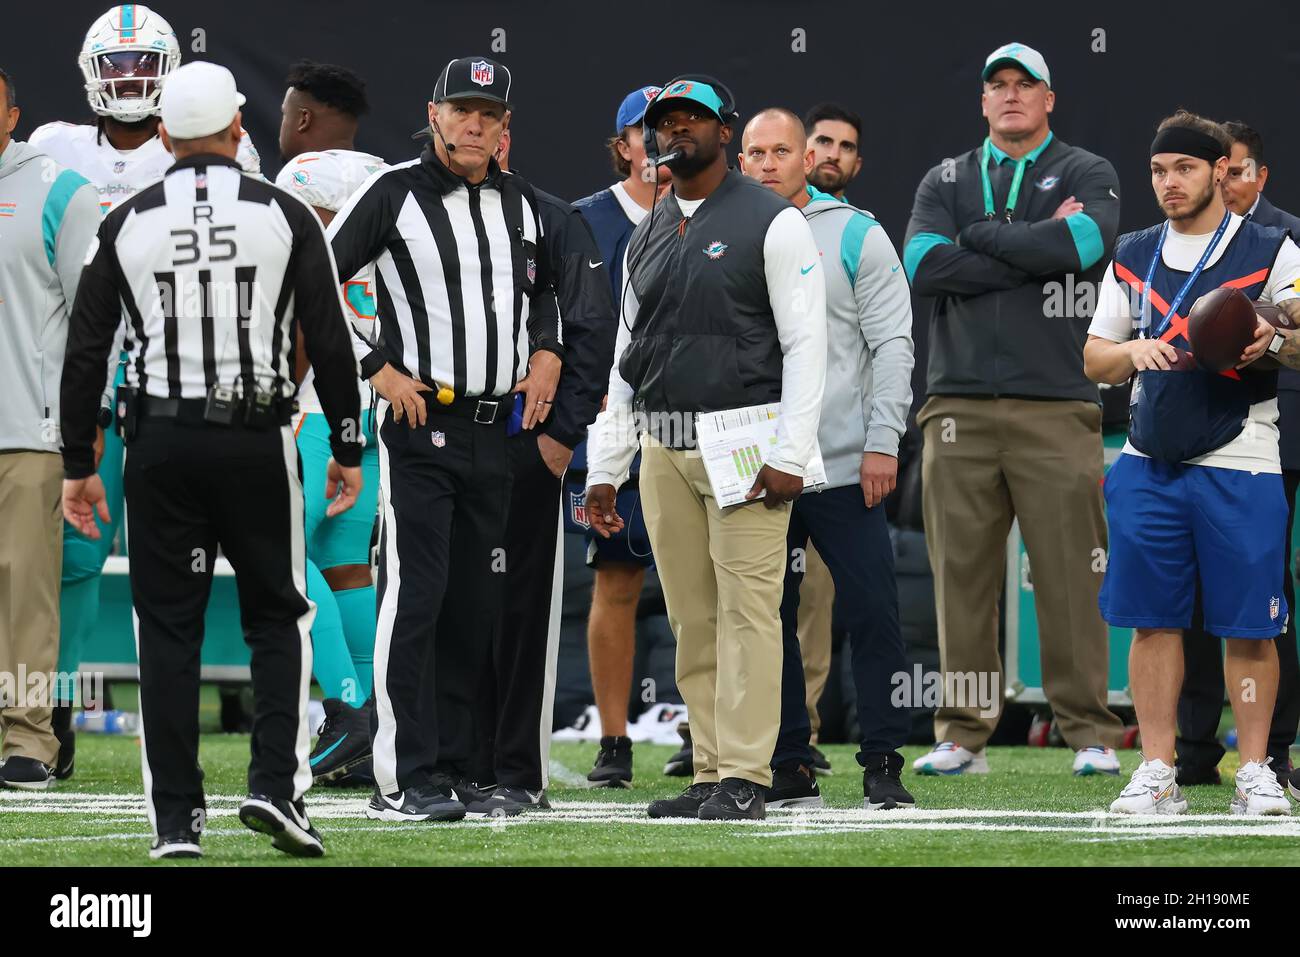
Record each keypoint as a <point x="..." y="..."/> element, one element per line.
<point x="1220" y="326"/>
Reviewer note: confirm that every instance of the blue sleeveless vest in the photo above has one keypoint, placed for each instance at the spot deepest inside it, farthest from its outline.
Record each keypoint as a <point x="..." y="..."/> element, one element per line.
<point x="1178" y="416"/>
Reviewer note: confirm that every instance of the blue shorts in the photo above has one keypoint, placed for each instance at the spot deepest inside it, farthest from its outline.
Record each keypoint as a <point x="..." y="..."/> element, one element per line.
<point x="1170" y="523"/>
<point x="343" y="539"/>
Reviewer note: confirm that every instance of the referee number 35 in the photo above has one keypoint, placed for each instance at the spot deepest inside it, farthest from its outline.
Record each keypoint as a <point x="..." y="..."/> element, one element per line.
<point x="186" y="241"/>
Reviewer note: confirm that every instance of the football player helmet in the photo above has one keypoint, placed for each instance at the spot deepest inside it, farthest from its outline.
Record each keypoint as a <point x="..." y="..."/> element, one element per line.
<point x="126" y="57"/>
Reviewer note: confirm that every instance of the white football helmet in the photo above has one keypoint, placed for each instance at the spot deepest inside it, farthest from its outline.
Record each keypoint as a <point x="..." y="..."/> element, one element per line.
<point x="126" y="57"/>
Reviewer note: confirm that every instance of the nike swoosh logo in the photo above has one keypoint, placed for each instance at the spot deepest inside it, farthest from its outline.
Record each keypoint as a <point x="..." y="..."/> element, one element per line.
<point x="594" y="265"/>
<point x="744" y="806"/>
<point x="397" y="805"/>
<point x="804" y="272"/>
<point x="326" y="753"/>
<point x="1112" y="194"/>
<point x="893" y="269"/>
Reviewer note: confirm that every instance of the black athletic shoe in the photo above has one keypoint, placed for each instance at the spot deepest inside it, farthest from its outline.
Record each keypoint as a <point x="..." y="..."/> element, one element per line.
<point x="613" y="764"/>
<point x="682" y="764"/>
<point x="882" y="790"/>
<point x="794" y="786"/>
<point x="1293" y="784"/>
<point x="1282" y="767"/>
<point x="61" y="724"/>
<point x="505" y="800"/>
<point x="1188" y="775"/>
<point x="178" y="845"/>
<point x="425" y="802"/>
<point x="735" y="800"/>
<point x="686" y="804"/>
<point x="821" y="764"/>
<point x="344" y="742"/>
<point x="25" y="774"/>
<point x="285" y="821"/>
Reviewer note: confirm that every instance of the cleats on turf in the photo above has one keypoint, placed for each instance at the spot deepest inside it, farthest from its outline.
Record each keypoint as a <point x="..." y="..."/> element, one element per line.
<point x="1096" y="760"/>
<point x="613" y="767"/>
<point x="1258" y="791"/>
<point x="735" y="799"/>
<point x="344" y="742"/>
<point x="948" y="757"/>
<point x="686" y="804"/>
<point x="882" y="785"/>
<point x="794" y="786"/>
<point x="1151" y="790"/>
<point x="425" y="802"/>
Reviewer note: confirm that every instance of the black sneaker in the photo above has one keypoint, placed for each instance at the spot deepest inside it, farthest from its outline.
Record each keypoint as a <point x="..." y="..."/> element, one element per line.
<point x="793" y="786"/>
<point x="286" y="822"/>
<point x="1293" y="784"/>
<point x="882" y="789"/>
<point x="735" y="800"/>
<point x="344" y="742"/>
<point x="25" y="774"/>
<point x="360" y="776"/>
<point x="425" y="802"/>
<point x="613" y="764"/>
<point x="686" y="804"/>
<point x="61" y="723"/>
<point x="505" y="800"/>
<point x="1282" y="767"/>
<point x="821" y="764"/>
<point x="1189" y="775"/>
<point x="178" y="845"/>
<point x="682" y="764"/>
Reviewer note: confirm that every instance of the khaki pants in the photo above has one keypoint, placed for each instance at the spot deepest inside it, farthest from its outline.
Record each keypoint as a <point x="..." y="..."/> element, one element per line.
<point x="985" y="462"/>
<point x="816" y="601"/>
<point x="31" y="559"/>
<point x="722" y="576"/>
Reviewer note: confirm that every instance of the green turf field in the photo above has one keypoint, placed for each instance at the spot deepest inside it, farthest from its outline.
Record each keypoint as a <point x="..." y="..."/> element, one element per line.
<point x="1030" y="810"/>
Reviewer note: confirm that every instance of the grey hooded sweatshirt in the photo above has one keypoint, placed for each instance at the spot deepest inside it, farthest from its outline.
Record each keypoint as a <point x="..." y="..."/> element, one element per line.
<point x="869" y="354"/>
<point x="48" y="217"/>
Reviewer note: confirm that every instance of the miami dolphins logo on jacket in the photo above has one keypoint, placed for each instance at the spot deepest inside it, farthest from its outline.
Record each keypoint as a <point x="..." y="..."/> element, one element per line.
<point x="715" y="249"/>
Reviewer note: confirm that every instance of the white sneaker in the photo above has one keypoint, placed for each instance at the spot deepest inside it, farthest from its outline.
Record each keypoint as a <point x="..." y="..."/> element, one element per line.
<point x="585" y="728"/>
<point x="951" y="758"/>
<point x="1151" y="790"/>
<point x="1096" y="760"/>
<point x="1258" y="791"/>
<point x="658" y="724"/>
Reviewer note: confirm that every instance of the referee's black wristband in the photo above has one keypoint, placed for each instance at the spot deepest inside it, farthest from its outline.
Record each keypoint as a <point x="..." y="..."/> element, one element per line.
<point x="372" y="364"/>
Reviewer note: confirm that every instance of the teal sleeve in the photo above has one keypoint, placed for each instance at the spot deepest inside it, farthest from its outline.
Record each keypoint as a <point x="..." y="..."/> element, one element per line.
<point x="1087" y="238"/>
<point x="916" y="248"/>
<point x="56" y="205"/>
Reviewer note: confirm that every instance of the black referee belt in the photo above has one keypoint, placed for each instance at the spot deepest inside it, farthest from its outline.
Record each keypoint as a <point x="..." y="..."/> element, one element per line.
<point x="483" y="410"/>
<point x="192" y="412"/>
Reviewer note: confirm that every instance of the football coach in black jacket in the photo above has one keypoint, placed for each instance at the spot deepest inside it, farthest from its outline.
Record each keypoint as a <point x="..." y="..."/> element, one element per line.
<point x="518" y="692"/>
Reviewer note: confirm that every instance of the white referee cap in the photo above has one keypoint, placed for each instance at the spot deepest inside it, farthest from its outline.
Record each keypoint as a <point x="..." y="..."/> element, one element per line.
<point x="199" y="99"/>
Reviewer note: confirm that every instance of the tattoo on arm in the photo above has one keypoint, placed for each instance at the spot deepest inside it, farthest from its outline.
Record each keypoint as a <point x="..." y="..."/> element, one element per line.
<point x="1289" y="354"/>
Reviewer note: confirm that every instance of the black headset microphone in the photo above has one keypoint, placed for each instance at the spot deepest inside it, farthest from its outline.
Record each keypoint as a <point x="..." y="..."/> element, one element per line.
<point x="651" y="141"/>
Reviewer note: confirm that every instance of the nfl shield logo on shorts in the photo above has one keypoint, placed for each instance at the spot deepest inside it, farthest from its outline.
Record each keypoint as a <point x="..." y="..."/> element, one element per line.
<point x="439" y="439"/>
<point x="481" y="72"/>
<point x="532" y="270"/>
<point x="578" y="508"/>
<point x="1274" y="607"/>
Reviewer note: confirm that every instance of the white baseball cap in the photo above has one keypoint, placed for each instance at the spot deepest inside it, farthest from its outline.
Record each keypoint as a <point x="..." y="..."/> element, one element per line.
<point x="199" y="99"/>
<point x="1017" y="54"/>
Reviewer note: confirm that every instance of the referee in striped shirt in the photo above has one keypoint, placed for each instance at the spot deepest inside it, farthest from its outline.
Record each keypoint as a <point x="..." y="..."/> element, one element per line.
<point x="214" y="270"/>
<point x="455" y="244"/>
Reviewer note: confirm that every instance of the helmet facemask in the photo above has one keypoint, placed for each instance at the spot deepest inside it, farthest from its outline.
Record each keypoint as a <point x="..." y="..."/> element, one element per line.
<point x="126" y="84"/>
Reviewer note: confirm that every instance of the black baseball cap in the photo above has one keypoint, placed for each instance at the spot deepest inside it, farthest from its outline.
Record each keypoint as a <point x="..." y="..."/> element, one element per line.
<point x="473" y="76"/>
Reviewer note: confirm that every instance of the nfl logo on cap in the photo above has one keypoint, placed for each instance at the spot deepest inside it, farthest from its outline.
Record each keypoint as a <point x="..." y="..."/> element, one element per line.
<point x="482" y="72"/>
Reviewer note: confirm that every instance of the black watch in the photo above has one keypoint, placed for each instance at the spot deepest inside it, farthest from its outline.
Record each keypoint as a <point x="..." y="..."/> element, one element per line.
<point x="105" y="417"/>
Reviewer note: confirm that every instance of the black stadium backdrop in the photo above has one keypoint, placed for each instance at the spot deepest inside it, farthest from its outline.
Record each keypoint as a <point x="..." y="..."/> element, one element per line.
<point x="911" y="69"/>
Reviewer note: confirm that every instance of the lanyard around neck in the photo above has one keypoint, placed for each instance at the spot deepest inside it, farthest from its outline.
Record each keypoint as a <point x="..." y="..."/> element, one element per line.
<point x="1145" y="307"/>
<point x="989" y="210"/>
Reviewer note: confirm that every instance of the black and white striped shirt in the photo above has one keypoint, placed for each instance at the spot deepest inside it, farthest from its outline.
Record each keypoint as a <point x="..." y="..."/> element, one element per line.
<point x="212" y="271"/>
<point x="456" y="268"/>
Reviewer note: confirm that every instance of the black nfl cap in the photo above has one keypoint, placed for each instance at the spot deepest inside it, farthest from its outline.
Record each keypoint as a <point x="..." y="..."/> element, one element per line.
<point x="473" y="76"/>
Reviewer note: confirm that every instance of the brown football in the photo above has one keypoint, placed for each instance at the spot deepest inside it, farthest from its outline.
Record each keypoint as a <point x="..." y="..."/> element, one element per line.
<point x="1220" y="327"/>
<point x="1278" y="319"/>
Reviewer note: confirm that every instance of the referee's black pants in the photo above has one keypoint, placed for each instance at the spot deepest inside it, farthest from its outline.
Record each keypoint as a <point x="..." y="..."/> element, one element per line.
<point x="444" y="493"/>
<point x="188" y="489"/>
<point x="1200" y="704"/>
<point x="517" y="689"/>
